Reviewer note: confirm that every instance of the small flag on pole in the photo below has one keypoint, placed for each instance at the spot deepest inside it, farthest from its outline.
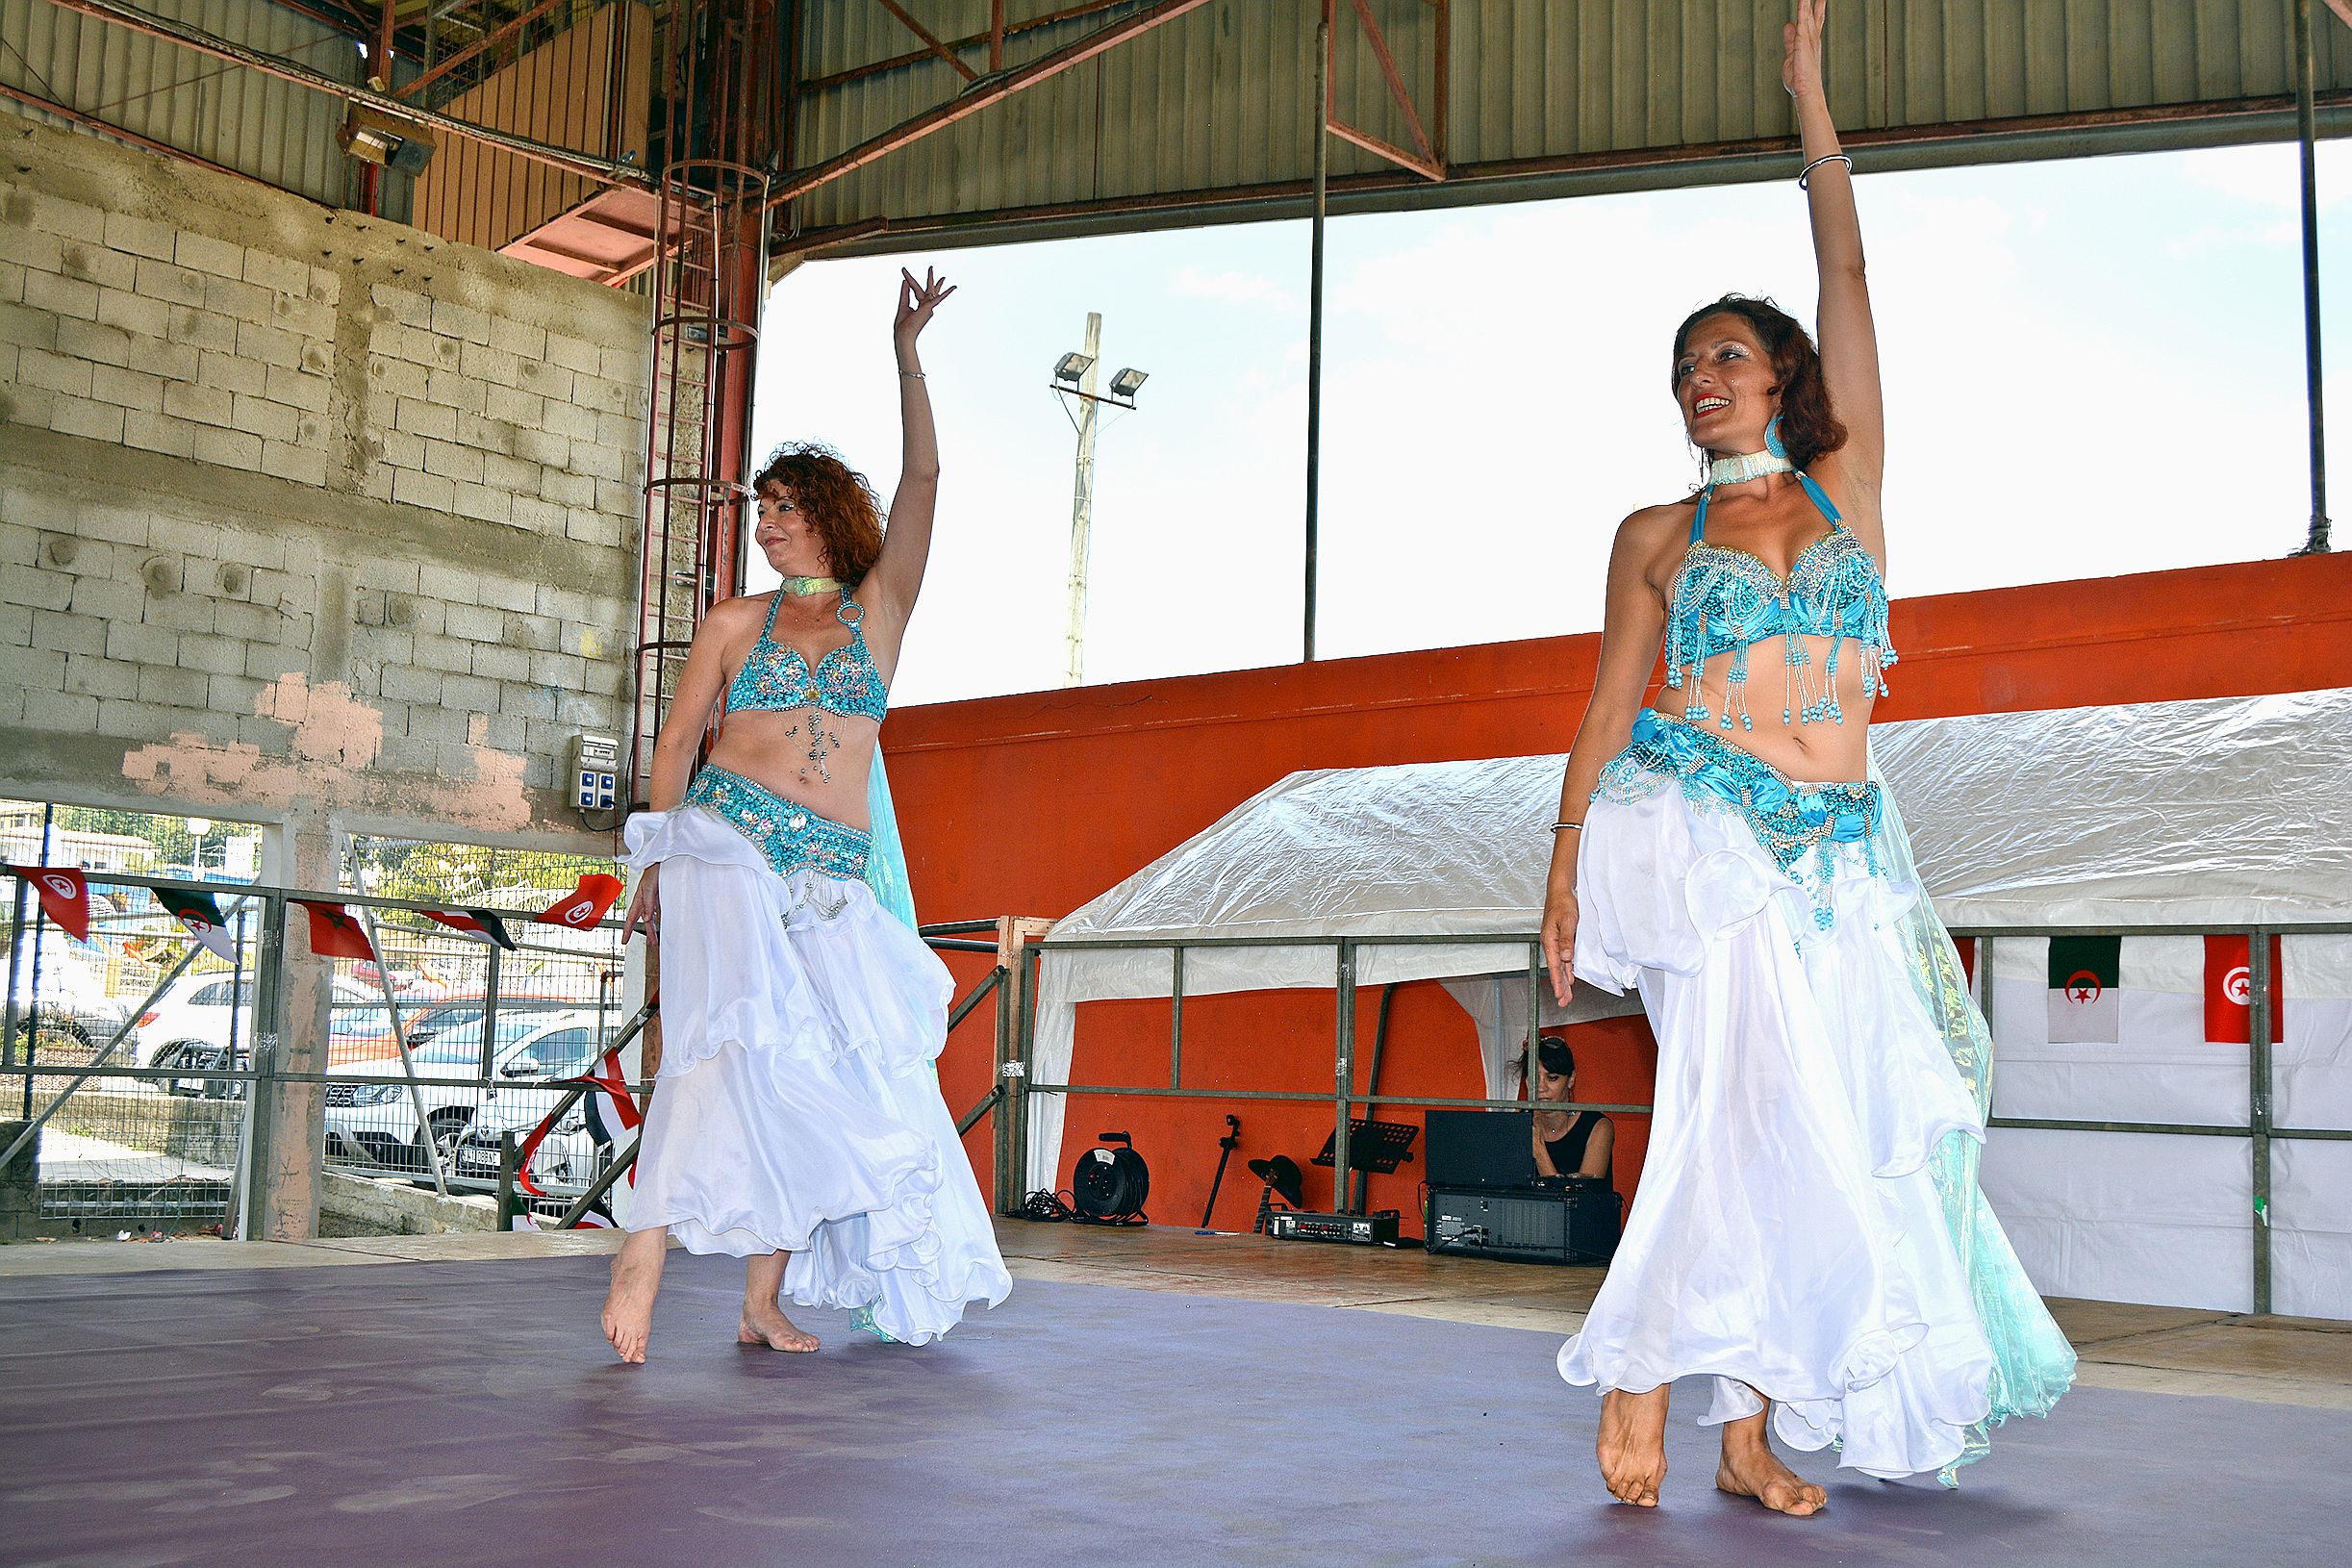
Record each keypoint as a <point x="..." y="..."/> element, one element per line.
<point x="64" y="896"/>
<point x="201" y="916"/>
<point x="2229" y="990"/>
<point x="481" y="924"/>
<point x="584" y="905"/>
<point x="334" y="933"/>
<point x="2084" y="974"/>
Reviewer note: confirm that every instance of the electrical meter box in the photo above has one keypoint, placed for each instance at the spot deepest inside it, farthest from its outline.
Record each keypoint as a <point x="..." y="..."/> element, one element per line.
<point x="596" y="772"/>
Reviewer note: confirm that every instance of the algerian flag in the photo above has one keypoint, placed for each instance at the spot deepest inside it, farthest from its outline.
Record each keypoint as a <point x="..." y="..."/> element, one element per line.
<point x="202" y="917"/>
<point x="2085" y="975"/>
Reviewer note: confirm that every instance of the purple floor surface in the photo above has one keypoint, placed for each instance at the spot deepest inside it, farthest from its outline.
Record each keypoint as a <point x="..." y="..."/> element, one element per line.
<point x="419" y="1413"/>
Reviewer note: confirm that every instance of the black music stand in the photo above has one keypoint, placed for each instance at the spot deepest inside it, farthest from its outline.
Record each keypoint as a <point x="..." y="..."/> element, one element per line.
<point x="1374" y="1148"/>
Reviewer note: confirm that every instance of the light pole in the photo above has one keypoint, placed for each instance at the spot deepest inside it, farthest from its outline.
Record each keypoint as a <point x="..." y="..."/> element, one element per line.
<point x="1073" y="378"/>
<point x="197" y="828"/>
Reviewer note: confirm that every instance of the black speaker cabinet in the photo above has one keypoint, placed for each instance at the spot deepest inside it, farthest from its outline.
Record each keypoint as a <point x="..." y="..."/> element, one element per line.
<point x="1571" y="1223"/>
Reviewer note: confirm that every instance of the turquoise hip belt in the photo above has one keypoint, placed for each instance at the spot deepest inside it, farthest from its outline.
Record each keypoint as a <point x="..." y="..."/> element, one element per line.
<point x="793" y="837"/>
<point x="1789" y="818"/>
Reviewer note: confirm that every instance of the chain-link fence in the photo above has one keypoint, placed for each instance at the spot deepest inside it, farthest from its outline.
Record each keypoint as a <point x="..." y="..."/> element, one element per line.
<point x="149" y="1079"/>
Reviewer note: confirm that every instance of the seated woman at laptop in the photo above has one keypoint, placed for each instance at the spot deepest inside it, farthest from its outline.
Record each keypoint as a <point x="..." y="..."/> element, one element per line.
<point x="1567" y="1143"/>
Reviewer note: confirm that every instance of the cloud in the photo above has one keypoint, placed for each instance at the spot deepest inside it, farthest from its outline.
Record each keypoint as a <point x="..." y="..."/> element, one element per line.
<point x="1231" y="287"/>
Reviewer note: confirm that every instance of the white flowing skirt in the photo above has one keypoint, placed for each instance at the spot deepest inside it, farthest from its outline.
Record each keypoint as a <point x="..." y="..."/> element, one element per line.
<point x="797" y="1108"/>
<point x="1788" y="1237"/>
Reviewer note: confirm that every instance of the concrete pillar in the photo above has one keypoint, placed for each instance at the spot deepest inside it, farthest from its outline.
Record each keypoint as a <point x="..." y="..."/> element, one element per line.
<point x="307" y="854"/>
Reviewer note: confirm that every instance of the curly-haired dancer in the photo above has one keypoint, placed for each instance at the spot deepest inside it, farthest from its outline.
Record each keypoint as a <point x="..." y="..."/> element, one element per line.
<point x="1807" y="1235"/>
<point x="797" y="1122"/>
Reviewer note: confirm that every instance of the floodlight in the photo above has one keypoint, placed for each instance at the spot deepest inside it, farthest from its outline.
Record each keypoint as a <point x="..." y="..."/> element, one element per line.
<point x="1124" y="383"/>
<point x="1072" y="367"/>
<point x="373" y="136"/>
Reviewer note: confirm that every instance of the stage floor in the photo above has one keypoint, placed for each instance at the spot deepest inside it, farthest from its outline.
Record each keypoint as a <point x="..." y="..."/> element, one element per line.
<point x="1147" y="1398"/>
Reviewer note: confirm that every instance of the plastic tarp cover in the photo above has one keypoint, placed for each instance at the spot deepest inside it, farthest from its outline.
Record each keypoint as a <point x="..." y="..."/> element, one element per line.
<point x="2225" y="810"/>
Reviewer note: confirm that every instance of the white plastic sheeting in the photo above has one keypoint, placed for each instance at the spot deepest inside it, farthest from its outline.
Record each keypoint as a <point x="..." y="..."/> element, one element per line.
<point x="2227" y="810"/>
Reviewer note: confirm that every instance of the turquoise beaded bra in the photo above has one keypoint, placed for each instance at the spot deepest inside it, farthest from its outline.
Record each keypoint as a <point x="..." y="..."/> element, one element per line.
<point x="1726" y="600"/>
<point x="846" y="681"/>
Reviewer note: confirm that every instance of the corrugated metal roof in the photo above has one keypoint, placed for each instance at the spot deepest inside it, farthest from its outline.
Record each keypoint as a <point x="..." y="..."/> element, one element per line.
<point x="1545" y="98"/>
<point x="272" y="130"/>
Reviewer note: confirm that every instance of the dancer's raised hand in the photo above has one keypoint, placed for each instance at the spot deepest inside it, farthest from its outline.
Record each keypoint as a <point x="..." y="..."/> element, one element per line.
<point x="1801" y="39"/>
<point x="916" y="303"/>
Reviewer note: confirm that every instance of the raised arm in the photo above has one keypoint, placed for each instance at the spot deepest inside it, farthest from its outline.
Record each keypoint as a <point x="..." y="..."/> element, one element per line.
<point x="890" y="587"/>
<point x="1631" y="623"/>
<point x="1848" y="340"/>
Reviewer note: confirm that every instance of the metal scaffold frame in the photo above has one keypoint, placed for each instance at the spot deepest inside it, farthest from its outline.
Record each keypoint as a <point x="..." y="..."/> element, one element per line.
<point x="724" y="131"/>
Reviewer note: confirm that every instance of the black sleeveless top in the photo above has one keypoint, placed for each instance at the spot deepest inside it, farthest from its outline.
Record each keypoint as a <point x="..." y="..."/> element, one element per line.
<point x="1567" y="1150"/>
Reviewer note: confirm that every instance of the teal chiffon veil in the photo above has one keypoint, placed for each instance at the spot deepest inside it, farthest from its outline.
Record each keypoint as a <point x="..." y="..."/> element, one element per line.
<point x="886" y="862"/>
<point x="2032" y="1362"/>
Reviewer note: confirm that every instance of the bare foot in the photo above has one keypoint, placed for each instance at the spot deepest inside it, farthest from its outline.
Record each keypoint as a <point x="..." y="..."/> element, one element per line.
<point x="629" y="1307"/>
<point x="767" y="1325"/>
<point x="1632" y="1445"/>
<point x="1751" y="1469"/>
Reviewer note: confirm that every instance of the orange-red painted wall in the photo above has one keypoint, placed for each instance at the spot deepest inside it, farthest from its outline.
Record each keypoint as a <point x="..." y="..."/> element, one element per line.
<point x="1034" y="803"/>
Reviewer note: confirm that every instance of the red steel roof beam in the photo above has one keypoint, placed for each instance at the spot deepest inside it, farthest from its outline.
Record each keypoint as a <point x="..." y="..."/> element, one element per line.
<point x="1397" y="90"/>
<point x="995" y="90"/>
<point x="471" y="51"/>
<point x="931" y="40"/>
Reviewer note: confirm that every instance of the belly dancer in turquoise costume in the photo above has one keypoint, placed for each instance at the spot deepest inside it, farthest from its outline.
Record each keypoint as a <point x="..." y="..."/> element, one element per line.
<point x="1808" y="1242"/>
<point x="796" y="1120"/>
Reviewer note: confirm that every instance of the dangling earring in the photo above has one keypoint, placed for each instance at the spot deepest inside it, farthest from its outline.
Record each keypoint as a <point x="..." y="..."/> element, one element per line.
<point x="1772" y="438"/>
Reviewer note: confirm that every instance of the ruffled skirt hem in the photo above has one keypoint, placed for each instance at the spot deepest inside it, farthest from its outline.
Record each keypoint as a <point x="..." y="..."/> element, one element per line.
<point x="796" y="1109"/>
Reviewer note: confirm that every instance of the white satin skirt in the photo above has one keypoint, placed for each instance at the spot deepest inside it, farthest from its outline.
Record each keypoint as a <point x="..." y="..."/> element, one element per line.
<point x="797" y="1108"/>
<point x="1788" y="1237"/>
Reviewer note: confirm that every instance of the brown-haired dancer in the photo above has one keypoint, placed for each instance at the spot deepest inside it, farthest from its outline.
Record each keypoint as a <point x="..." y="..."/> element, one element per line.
<point x="1807" y="1237"/>
<point x="797" y="1122"/>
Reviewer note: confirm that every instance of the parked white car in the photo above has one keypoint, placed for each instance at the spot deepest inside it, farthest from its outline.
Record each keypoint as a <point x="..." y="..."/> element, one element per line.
<point x="371" y="1118"/>
<point x="189" y="1024"/>
<point x="74" y="1009"/>
<point x="573" y="1151"/>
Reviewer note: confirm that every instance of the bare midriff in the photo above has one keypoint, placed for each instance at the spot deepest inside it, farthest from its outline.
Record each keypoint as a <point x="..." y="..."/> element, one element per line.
<point x="772" y="749"/>
<point x="1823" y="751"/>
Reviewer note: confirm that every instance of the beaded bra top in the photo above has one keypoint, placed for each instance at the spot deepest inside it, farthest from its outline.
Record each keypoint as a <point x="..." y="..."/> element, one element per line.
<point x="846" y="682"/>
<point x="1727" y="601"/>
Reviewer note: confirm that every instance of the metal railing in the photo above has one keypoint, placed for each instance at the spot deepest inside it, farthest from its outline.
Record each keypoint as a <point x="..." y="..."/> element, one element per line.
<point x="2260" y="1128"/>
<point x="85" y="1081"/>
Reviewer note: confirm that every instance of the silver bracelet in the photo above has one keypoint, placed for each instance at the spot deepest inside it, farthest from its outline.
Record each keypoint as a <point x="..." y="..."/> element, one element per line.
<point x="1563" y="827"/>
<point x="1806" y="172"/>
<point x="914" y="375"/>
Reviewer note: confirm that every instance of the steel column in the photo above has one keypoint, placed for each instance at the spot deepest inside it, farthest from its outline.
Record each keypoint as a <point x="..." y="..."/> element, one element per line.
<point x="2258" y="1068"/>
<point x="1344" y="1072"/>
<point x="1314" y="311"/>
<point x="2307" y="132"/>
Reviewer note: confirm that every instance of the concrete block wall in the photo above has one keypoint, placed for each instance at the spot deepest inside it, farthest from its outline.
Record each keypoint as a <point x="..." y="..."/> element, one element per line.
<point x="302" y="513"/>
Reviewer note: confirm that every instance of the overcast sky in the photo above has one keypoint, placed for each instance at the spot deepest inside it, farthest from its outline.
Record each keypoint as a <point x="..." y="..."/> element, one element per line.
<point x="2093" y="366"/>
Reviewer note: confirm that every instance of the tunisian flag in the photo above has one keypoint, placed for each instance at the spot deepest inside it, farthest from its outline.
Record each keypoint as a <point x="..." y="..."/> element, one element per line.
<point x="64" y="896"/>
<point x="2229" y="990"/>
<point x="584" y="905"/>
<point x="334" y="933"/>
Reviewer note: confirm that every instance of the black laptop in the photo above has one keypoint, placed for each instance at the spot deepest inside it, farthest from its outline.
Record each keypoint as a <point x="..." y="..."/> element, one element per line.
<point x="1482" y="1148"/>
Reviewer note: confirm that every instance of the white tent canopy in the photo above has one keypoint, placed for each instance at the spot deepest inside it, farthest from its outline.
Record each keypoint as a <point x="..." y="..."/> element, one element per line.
<point x="2225" y="810"/>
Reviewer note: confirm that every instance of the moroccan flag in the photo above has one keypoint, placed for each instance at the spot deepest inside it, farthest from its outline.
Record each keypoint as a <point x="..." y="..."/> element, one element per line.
<point x="584" y="905"/>
<point x="2084" y="973"/>
<point x="334" y="933"/>
<point x="64" y="896"/>
<point x="481" y="924"/>
<point x="202" y="917"/>
<point x="2229" y="990"/>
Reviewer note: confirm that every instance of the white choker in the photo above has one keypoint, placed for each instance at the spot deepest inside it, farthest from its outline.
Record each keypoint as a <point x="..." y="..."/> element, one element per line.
<point x="1738" y="471"/>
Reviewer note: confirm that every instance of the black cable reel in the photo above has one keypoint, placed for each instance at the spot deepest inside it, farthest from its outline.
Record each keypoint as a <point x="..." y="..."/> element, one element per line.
<point x="1111" y="1182"/>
